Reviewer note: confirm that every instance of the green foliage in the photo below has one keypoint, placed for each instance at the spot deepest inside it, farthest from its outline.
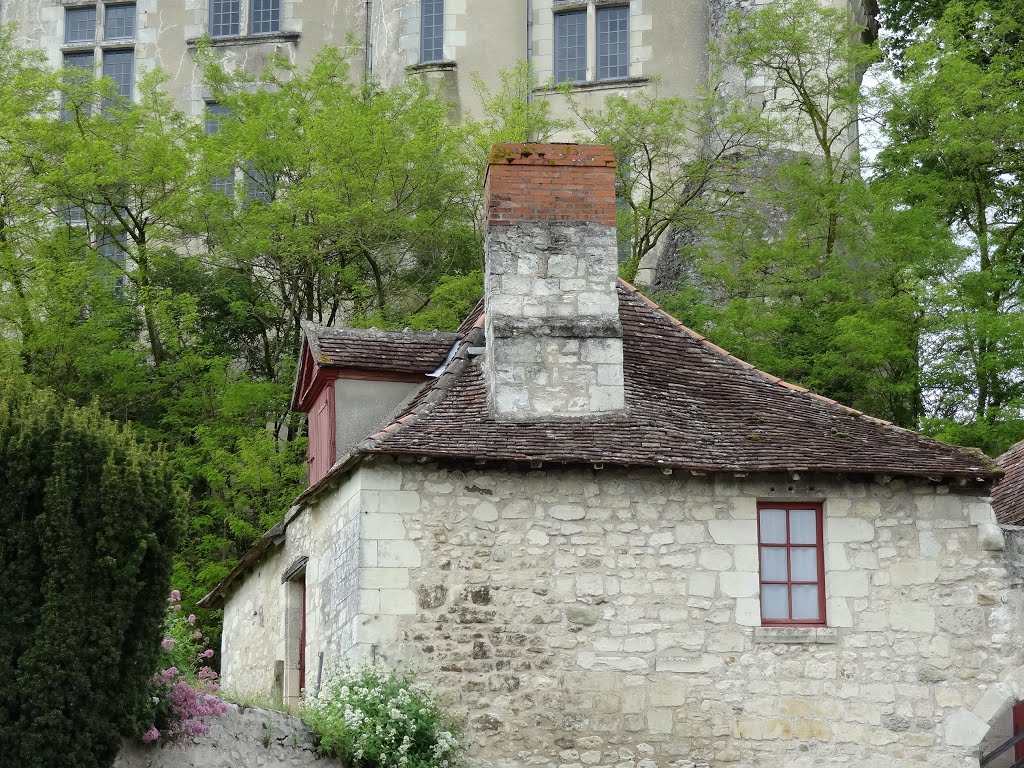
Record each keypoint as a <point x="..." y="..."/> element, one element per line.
<point x="675" y="159"/>
<point x="88" y="519"/>
<point x="363" y="193"/>
<point x="372" y="718"/>
<point x="808" y="271"/>
<point x="450" y="303"/>
<point x="953" y="131"/>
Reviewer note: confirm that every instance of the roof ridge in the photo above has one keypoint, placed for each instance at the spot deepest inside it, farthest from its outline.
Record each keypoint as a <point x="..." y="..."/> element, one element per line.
<point x="407" y="332"/>
<point x="785" y="384"/>
<point x="1011" y="451"/>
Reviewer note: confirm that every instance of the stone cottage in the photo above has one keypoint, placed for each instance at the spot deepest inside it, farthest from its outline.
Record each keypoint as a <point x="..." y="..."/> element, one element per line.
<point x="610" y="543"/>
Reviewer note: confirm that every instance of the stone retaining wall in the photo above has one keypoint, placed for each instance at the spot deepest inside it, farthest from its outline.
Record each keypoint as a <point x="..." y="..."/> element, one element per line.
<point x="245" y="737"/>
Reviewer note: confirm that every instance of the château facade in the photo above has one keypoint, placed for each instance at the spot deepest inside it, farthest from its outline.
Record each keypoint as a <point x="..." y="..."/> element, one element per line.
<point x="598" y="45"/>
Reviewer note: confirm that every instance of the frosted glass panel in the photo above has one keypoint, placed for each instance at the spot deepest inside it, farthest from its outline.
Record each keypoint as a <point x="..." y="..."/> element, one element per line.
<point x="773" y="526"/>
<point x="803" y="528"/>
<point x="774" y="601"/>
<point x="805" y="563"/>
<point x="805" y="602"/>
<point x="773" y="564"/>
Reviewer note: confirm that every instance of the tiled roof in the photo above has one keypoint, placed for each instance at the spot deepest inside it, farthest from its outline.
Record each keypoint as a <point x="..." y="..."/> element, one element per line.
<point x="690" y="405"/>
<point x="395" y="351"/>
<point x="1008" y="495"/>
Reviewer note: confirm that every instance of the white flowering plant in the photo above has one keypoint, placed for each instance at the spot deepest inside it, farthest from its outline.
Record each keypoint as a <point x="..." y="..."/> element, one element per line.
<point x="369" y="717"/>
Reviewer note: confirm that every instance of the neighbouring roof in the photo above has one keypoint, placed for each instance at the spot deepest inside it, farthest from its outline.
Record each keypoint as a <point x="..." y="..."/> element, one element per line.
<point x="690" y="405"/>
<point x="397" y="351"/>
<point x="367" y="353"/>
<point x="1008" y="495"/>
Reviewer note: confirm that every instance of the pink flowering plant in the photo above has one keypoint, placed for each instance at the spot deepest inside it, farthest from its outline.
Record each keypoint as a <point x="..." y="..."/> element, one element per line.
<point x="370" y="717"/>
<point x="183" y="691"/>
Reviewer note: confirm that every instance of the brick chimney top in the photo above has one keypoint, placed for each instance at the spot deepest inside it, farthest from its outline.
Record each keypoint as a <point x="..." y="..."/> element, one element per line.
<point x="550" y="182"/>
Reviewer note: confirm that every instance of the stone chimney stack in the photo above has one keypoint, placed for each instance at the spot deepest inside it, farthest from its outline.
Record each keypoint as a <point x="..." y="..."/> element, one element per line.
<point x="554" y="340"/>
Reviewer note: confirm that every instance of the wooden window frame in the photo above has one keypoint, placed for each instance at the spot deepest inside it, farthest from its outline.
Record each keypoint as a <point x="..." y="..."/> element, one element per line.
<point x="818" y="508"/>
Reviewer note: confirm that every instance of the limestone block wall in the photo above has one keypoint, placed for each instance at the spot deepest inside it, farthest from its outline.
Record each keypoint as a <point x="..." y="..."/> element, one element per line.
<point x="554" y="339"/>
<point x="262" y="616"/>
<point x="611" y="617"/>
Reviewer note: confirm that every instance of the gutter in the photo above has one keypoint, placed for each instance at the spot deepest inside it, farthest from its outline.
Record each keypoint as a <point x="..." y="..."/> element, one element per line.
<point x="529" y="49"/>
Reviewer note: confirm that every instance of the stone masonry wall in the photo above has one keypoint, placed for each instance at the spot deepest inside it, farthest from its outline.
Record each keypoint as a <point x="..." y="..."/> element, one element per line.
<point x="246" y="737"/>
<point x="553" y="335"/>
<point x="610" y="617"/>
<point x="259" y="649"/>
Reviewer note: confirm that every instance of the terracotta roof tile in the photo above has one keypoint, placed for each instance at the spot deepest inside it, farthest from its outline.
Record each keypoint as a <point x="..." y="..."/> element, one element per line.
<point x="1008" y="495"/>
<point x="690" y="405"/>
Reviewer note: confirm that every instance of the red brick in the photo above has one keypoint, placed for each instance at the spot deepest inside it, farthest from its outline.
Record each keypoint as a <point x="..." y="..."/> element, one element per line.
<point x="550" y="182"/>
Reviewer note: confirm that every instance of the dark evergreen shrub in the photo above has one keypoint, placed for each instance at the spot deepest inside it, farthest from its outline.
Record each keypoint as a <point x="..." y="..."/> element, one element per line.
<point x="86" y="545"/>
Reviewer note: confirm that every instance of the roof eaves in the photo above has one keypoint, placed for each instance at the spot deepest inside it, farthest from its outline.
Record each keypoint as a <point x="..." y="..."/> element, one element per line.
<point x="992" y="472"/>
<point x="276" y="535"/>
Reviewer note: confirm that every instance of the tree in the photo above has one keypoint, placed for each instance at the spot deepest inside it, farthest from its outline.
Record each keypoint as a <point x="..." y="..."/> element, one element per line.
<point x="26" y="93"/>
<point x="88" y="519"/>
<point x="809" y="271"/>
<point x="356" y="198"/>
<point x="678" y="161"/>
<point x="126" y="167"/>
<point x="954" y="133"/>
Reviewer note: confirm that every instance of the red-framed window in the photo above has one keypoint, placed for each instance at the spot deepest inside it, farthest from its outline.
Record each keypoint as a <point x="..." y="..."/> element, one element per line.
<point x="792" y="560"/>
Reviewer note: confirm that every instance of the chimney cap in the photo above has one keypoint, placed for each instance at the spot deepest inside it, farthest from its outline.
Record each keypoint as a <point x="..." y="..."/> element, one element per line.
<point x="580" y="155"/>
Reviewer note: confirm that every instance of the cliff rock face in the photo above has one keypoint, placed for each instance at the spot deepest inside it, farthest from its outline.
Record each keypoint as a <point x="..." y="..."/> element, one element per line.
<point x="245" y="737"/>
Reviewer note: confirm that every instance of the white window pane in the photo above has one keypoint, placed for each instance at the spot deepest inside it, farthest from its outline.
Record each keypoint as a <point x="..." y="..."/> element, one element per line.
<point x="80" y="25"/>
<point x="805" y="602"/>
<point x="119" y="22"/>
<point x="225" y="17"/>
<point x="431" y="30"/>
<point x="612" y="42"/>
<point x="803" y="526"/>
<point x="774" y="601"/>
<point x="570" y="46"/>
<point x="773" y="564"/>
<point x="265" y="17"/>
<point x="804" y="561"/>
<point x="773" y="526"/>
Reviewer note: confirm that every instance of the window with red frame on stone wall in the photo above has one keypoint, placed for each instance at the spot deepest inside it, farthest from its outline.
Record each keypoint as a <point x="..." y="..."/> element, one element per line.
<point x="792" y="557"/>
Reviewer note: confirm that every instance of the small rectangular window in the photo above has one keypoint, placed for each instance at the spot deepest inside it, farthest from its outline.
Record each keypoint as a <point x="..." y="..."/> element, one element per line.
<point x="259" y="186"/>
<point x="83" y="65"/>
<point x="612" y="42"/>
<point x="82" y="61"/>
<point x="431" y="30"/>
<point x="113" y="247"/>
<point x="571" y="47"/>
<point x="225" y="17"/>
<point x="80" y="25"/>
<point x="215" y="115"/>
<point x="119" y="22"/>
<point x="792" y="563"/>
<point x="265" y="17"/>
<point x="120" y="67"/>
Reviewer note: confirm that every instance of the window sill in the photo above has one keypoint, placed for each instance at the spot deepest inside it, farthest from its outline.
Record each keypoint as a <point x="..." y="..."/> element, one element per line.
<point x="220" y="42"/>
<point x="432" y="66"/>
<point x="796" y="635"/>
<point x="79" y="47"/>
<point x="597" y="85"/>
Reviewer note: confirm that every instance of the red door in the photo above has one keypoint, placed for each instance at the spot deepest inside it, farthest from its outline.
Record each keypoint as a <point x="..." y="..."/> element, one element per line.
<point x="302" y="639"/>
<point x="321" y="434"/>
<point x="1018" y="726"/>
